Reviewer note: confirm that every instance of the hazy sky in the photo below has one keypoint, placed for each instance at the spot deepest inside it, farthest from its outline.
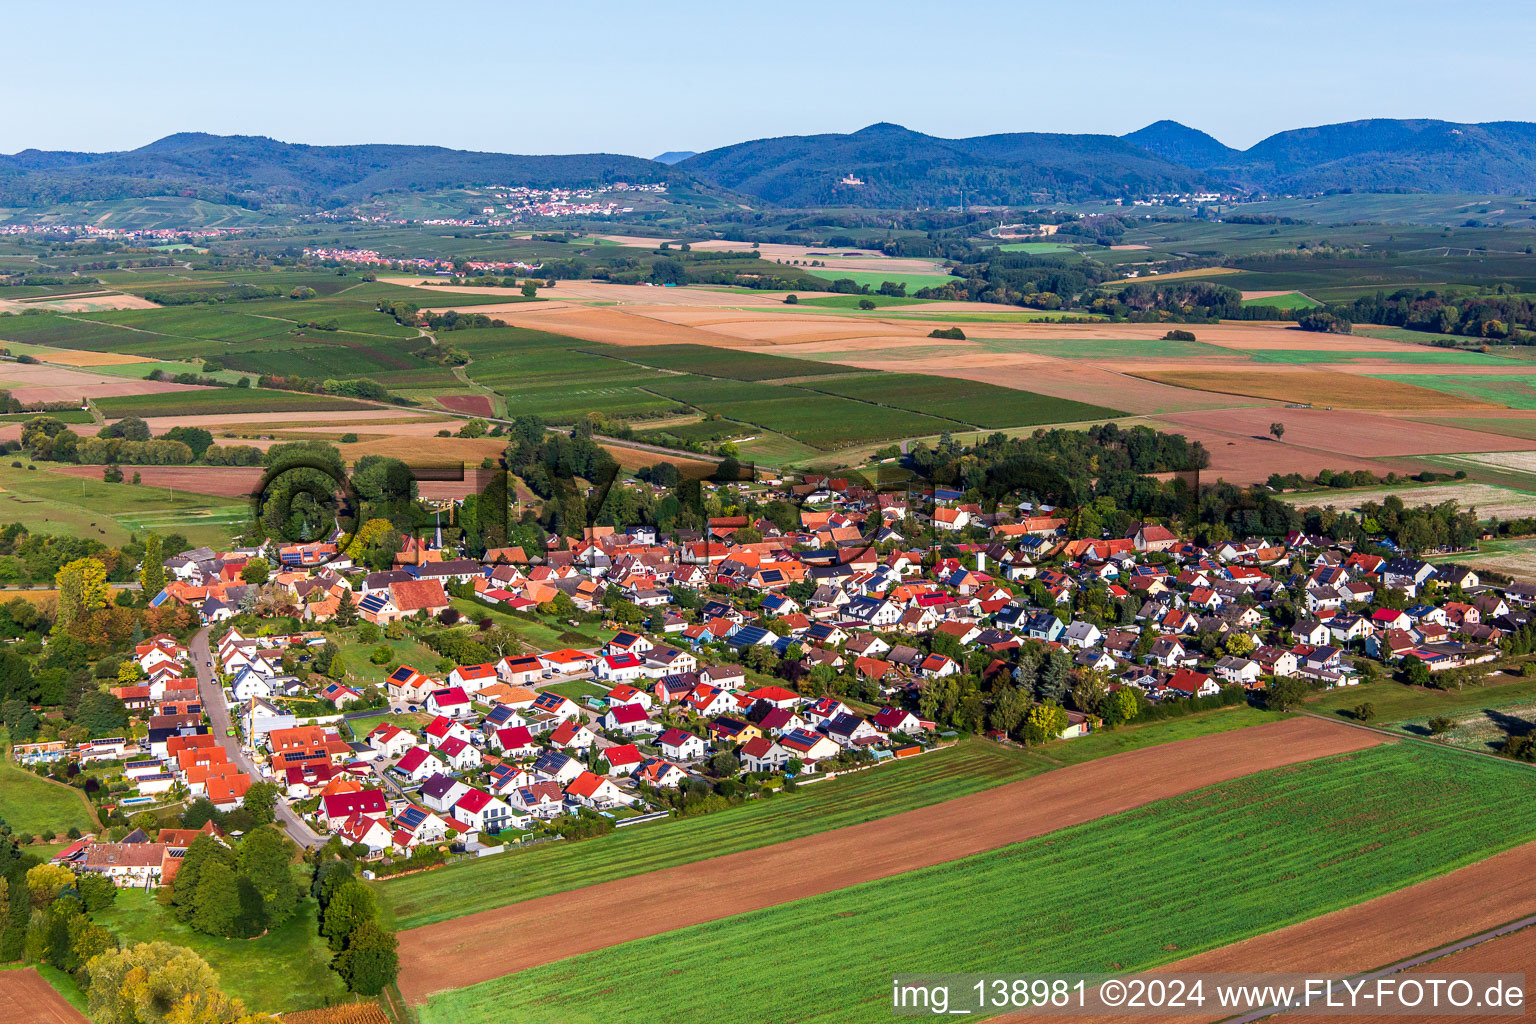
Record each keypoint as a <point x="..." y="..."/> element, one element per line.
<point x="646" y="77"/>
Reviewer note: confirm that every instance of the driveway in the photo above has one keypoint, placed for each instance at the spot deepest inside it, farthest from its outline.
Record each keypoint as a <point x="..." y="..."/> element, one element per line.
<point x="212" y="695"/>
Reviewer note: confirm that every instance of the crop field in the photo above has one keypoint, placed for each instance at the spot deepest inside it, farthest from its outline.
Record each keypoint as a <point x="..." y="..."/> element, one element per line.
<point x="823" y="421"/>
<point x="209" y="323"/>
<point x="58" y="503"/>
<point x="981" y="405"/>
<point x="1105" y="349"/>
<point x="875" y="278"/>
<point x="852" y="301"/>
<point x="557" y="867"/>
<point x="38" y="806"/>
<point x="212" y="401"/>
<point x="1035" y="248"/>
<point x="1487" y="499"/>
<point x="1318" y="387"/>
<point x="1512" y="390"/>
<point x="1283" y="301"/>
<point x="734" y="364"/>
<point x="1424" y="356"/>
<point x="1222" y="863"/>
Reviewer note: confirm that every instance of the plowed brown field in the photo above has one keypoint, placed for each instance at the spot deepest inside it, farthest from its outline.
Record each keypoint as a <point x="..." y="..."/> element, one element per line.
<point x="486" y="945"/>
<point x="25" y="998"/>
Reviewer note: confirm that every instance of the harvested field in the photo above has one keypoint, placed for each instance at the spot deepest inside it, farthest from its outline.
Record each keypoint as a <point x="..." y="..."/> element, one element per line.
<point x="1178" y="275"/>
<point x="1516" y="558"/>
<point x="42" y="383"/>
<point x="346" y="1013"/>
<point x="415" y="449"/>
<point x="78" y="303"/>
<point x="221" y="481"/>
<point x="1240" y="458"/>
<point x="80" y="357"/>
<point x="634" y="458"/>
<point x="1316" y="387"/>
<point x="372" y="417"/>
<point x="1350" y="433"/>
<point x="1523" y="461"/>
<point x="25" y="998"/>
<point x="475" y="405"/>
<point x="466" y="950"/>
<point x="1488" y="499"/>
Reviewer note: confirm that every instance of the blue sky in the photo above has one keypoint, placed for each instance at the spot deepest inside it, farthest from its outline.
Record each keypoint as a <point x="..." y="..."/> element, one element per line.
<point x="642" y="78"/>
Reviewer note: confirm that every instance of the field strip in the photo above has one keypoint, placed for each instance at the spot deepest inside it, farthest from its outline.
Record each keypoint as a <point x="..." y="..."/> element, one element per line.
<point x="25" y="998"/>
<point x="478" y="947"/>
<point x="1382" y="931"/>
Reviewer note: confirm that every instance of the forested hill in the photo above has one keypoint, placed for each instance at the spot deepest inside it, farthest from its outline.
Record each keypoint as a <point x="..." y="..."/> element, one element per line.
<point x="1374" y="155"/>
<point x="896" y="167"/>
<point x="255" y="170"/>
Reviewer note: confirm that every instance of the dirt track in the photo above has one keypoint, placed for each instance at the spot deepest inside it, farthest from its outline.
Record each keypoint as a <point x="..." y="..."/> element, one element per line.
<point x="489" y="944"/>
<point x="25" y="998"/>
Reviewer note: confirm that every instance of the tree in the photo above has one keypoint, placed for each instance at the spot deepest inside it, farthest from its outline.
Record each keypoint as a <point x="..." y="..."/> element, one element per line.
<point x="370" y="961"/>
<point x="1415" y="672"/>
<point x="1278" y="429"/>
<point x="261" y="804"/>
<point x="255" y="572"/>
<point x="1365" y="711"/>
<point x="866" y="304"/>
<point x="1440" y="725"/>
<point x="265" y="855"/>
<point x="46" y="881"/>
<point x="1009" y="709"/>
<point x="217" y="903"/>
<point x="205" y="850"/>
<point x="157" y="983"/>
<point x="96" y="891"/>
<point x="101" y="714"/>
<point x="82" y="586"/>
<point x="530" y="289"/>
<point x="1047" y="720"/>
<point x="152" y="575"/>
<point x="346" y="609"/>
<point x="352" y="904"/>
<point x="1285" y="693"/>
<point x="1121" y="706"/>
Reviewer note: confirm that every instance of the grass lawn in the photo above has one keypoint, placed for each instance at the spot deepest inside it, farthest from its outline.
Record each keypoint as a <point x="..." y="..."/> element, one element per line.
<point x="1201" y="870"/>
<point x="1035" y="248"/>
<point x="361" y="670"/>
<point x="968" y="767"/>
<point x="576" y="689"/>
<point x="286" y="969"/>
<point x="1399" y="702"/>
<point x="539" y="631"/>
<point x="36" y="805"/>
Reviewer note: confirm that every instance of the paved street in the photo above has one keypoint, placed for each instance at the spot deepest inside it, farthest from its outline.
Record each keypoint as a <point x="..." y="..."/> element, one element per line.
<point x="212" y="696"/>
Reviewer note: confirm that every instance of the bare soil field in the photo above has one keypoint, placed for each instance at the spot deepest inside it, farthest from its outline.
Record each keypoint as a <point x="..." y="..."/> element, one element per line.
<point x="221" y="481"/>
<point x="1488" y="499"/>
<point x="25" y="998"/>
<point x="486" y="945"/>
<point x="634" y="458"/>
<point x="1318" y="387"/>
<point x="1353" y="433"/>
<point x="43" y="383"/>
<point x="476" y="405"/>
<point x="1244" y="459"/>
<point x="91" y="303"/>
<point x="1180" y="274"/>
<point x="1387" y="929"/>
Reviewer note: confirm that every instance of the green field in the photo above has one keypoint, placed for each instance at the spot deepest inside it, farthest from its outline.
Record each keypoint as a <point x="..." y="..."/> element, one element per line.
<point x="1396" y="702"/>
<point x="285" y="969"/>
<point x="1035" y="248"/>
<point x="707" y="361"/>
<point x="968" y="767"/>
<point x="579" y="689"/>
<point x="1517" y="392"/>
<point x="1201" y="870"/>
<point x="1290" y="300"/>
<point x="1097" y="348"/>
<point x="88" y="507"/>
<point x="211" y="401"/>
<point x="981" y="405"/>
<point x="1423" y="356"/>
<point x="852" y="301"/>
<point x="874" y="279"/>
<point x="35" y="805"/>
